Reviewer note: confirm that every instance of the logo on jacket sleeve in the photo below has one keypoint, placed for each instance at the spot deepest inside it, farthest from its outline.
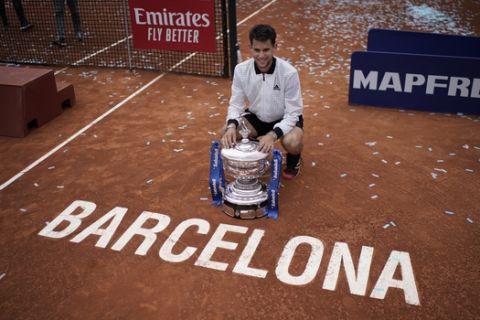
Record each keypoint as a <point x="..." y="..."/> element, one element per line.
<point x="276" y="87"/>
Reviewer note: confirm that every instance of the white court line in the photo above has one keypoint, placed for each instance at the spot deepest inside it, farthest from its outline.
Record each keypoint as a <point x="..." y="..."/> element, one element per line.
<point x="101" y="117"/>
<point x="257" y="12"/>
<point x="79" y="132"/>
<point x="61" y="70"/>
<point x="94" y="54"/>
<point x="102" y="50"/>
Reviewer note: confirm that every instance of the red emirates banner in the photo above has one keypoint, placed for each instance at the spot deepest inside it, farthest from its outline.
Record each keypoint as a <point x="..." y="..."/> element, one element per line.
<point x="178" y="25"/>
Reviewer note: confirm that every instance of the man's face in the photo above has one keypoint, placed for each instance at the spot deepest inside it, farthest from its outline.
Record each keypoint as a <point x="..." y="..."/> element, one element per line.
<point x="262" y="52"/>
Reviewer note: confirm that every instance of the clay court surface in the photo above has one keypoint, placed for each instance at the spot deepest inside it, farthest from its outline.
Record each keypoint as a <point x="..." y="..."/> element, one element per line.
<point x="394" y="181"/>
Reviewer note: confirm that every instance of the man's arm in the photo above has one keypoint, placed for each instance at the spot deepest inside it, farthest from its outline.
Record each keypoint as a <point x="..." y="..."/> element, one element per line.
<point x="237" y="100"/>
<point x="293" y="105"/>
<point x="235" y="109"/>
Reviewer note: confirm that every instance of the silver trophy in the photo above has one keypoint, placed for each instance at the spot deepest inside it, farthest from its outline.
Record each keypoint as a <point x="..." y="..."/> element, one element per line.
<point x="246" y="196"/>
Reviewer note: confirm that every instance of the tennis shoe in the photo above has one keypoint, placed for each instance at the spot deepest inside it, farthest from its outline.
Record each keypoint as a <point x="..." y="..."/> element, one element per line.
<point x="25" y="26"/>
<point x="291" y="172"/>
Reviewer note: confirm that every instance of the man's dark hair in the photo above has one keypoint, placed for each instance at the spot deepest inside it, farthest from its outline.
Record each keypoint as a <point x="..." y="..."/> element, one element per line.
<point x="263" y="33"/>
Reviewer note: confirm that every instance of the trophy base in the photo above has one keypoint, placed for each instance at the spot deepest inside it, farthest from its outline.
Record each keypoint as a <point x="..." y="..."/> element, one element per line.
<point x="245" y="212"/>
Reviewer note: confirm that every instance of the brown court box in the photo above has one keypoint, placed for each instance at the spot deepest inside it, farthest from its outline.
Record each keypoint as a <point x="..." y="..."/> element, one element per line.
<point x="28" y="94"/>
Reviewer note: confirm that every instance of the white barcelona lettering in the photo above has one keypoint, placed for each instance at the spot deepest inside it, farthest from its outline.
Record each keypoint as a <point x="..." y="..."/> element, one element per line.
<point x="216" y="241"/>
<point x="116" y="215"/>
<point x="289" y="269"/>
<point x="149" y="234"/>
<point x="311" y="268"/>
<point x="74" y="221"/>
<point x="166" y="251"/>
<point x="407" y="283"/>
<point x="357" y="281"/>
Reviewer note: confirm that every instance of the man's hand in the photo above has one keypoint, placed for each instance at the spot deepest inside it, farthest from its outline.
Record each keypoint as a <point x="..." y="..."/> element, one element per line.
<point x="266" y="143"/>
<point x="229" y="138"/>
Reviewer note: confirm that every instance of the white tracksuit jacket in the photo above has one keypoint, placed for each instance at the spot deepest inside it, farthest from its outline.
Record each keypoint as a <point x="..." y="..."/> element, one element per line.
<point x="270" y="96"/>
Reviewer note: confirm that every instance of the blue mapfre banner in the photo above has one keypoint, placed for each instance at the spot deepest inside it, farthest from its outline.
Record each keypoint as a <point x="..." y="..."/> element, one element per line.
<point x="409" y="80"/>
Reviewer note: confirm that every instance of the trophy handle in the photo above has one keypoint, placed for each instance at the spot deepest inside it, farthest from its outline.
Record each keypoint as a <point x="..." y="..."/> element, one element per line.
<point x="265" y="164"/>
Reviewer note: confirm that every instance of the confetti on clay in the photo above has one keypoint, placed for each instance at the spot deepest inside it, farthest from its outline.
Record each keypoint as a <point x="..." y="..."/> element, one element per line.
<point x="51" y="168"/>
<point x="390" y="224"/>
<point x="371" y="144"/>
<point x="434" y="175"/>
<point x="468" y="170"/>
<point x="178" y="150"/>
<point x="441" y="170"/>
<point x="469" y="220"/>
<point x="36" y="184"/>
<point x="374" y="197"/>
<point x="23" y="209"/>
<point x="343" y="175"/>
<point x="450" y="213"/>
<point x="3" y="274"/>
<point x="371" y="185"/>
<point x="204" y="199"/>
<point x="375" y="175"/>
<point x="149" y="181"/>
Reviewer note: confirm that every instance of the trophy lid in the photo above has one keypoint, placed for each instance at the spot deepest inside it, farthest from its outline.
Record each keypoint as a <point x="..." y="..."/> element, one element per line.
<point x="246" y="150"/>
